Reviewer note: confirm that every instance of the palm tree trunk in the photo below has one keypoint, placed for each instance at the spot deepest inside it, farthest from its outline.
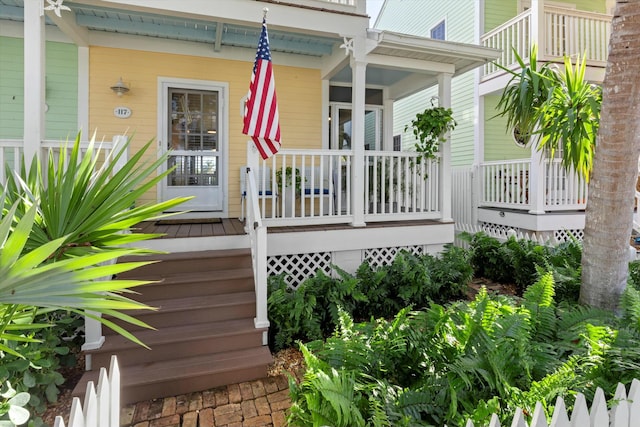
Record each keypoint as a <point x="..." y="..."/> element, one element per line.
<point x="612" y="187"/>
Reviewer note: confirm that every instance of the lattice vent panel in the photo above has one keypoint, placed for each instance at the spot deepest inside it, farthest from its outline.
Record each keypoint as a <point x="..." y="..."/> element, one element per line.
<point x="496" y="229"/>
<point x="565" y="235"/>
<point x="384" y="256"/>
<point x="299" y="267"/>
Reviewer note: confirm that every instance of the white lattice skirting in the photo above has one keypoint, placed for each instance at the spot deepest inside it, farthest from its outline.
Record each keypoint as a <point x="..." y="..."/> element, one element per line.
<point x="299" y="267"/>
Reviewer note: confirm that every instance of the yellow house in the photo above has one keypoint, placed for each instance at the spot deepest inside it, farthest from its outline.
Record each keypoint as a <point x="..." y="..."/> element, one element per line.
<point x="339" y="191"/>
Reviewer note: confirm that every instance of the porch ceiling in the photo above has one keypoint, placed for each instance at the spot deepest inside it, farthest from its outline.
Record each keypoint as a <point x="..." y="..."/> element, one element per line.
<point x="218" y="34"/>
<point x="408" y="64"/>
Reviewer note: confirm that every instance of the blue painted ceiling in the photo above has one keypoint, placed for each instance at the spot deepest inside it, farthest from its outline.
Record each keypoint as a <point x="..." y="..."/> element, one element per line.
<point x="169" y="27"/>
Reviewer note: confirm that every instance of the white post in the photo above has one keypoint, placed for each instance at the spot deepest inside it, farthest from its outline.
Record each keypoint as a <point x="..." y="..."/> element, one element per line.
<point x="262" y="318"/>
<point x="34" y="78"/>
<point x="358" y="82"/>
<point x="537" y="27"/>
<point x="387" y="122"/>
<point x="83" y="91"/>
<point x="444" y="95"/>
<point x="536" y="179"/>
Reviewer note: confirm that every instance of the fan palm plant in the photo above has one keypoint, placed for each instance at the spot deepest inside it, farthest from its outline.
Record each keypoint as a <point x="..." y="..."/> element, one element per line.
<point x="61" y="231"/>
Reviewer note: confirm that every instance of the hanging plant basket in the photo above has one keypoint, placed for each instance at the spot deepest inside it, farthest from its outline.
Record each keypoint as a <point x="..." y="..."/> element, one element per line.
<point x="429" y="127"/>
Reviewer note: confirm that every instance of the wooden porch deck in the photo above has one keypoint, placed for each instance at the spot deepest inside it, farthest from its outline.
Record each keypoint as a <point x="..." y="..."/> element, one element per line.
<point x="235" y="227"/>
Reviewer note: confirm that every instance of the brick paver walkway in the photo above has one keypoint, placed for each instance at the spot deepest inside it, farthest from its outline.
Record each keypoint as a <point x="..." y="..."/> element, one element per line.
<point x="256" y="403"/>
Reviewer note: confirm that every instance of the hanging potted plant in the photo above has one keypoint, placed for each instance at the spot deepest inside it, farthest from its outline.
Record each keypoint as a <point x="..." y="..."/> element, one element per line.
<point x="429" y="127"/>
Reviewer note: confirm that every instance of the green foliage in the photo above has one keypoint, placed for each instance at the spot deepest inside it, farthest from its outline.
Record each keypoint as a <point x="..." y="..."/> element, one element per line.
<point x="48" y="350"/>
<point x="466" y="360"/>
<point x="288" y="178"/>
<point x="61" y="230"/>
<point x="520" y="261"/>
<point x="12" y="411"/>
<point x="429" y="127"/>
<point x="561" y="106"/>
<point x="489" y="258"/>
<point x="312" y="310"/>
<point x="524" y="94"/>
<point x="570" y="117"/>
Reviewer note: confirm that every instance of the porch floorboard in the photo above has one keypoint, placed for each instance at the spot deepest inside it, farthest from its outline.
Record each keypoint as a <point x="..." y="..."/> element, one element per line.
<point x="235" y="227"/>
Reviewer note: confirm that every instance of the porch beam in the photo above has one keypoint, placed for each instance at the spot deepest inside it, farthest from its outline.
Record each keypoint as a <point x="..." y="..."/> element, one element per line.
<point x="34" y="78"/>
<point x="444" y="96"/>
<point x="333" y="64"/>
<point x="411" y="84"/>
<point x="418" y="65"/>
<point x="67" y="24"/>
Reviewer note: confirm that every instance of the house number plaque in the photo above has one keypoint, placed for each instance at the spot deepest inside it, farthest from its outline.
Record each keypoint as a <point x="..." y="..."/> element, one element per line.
<point x="122" y="112"/>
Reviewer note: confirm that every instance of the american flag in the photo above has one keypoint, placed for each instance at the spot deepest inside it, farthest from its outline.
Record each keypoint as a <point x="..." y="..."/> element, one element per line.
<point x="261" y="119"/>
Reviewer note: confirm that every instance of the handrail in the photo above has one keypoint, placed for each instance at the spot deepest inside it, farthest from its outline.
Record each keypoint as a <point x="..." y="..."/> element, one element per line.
<point x="578" y="13"/>
<point x="506" y="24"/>
<point x="258" y="238"/>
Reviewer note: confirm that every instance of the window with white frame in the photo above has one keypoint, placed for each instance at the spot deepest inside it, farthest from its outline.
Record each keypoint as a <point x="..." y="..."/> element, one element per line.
<point x="439" y="31"/>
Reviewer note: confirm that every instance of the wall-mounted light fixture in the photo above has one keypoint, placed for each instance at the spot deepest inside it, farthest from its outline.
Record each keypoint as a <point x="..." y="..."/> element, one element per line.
<point x="120" y="88"/>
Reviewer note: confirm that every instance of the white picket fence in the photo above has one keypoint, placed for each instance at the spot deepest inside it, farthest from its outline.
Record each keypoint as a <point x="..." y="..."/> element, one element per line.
<point x="101" y="404"/>
<point x="502" y="235"/>
<point x="624" y="412"/>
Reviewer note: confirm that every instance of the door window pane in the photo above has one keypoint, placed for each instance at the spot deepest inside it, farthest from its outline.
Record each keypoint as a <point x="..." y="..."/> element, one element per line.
<point x="194" y="127"/>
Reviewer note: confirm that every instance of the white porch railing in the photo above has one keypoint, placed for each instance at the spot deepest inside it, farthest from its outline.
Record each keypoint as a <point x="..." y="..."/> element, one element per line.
<point x="560" y="32"/>
<point x="298" y="187"/>
<point x="624" y="412"/>
<point x="575" y="32"/>
<point x="101" y="404"/>
<point x="563" y="190"/>
<point x="401" y="184"/>
<point x="515" y="33"/>
<point x="11" y="151"/>
<point x="507" y="184"/>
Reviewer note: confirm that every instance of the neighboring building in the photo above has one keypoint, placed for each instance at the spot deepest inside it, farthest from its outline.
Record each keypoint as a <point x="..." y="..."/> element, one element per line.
<point x="187" y="65"/>
<point x="498" y="183"/>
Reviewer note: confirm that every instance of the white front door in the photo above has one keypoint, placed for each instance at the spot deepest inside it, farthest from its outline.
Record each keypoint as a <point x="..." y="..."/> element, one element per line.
<point x="194" y="134"/>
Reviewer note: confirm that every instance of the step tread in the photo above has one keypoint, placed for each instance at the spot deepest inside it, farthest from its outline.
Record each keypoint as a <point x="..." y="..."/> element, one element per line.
<point x="183" y="367"/>
<point x="174" y="256"/>
<point x="197" y="276"/>
<point x="197" y="302"/>
<point x="179" y="334"/>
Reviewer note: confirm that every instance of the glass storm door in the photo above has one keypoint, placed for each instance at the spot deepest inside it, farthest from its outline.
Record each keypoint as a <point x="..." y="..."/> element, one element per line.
<point x="193" y="140"/>
<point x="342" y="124"/>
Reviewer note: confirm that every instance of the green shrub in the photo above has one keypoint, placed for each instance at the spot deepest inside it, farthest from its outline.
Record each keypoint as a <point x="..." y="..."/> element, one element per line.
<point x="311" y="311"/>
<point x="47" y="351"/>
<point x="489" y="259"/>
<point x="466" y="360"/>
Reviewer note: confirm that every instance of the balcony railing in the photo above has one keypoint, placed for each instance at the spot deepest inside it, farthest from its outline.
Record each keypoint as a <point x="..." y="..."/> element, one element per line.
<point x="298" y="187"/>
<point x="508" y="184"/>
<point x="560" y="32"/>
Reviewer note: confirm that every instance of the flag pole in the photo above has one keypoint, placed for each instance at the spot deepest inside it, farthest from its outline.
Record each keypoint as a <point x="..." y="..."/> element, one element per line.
<point x="265" y="10"/>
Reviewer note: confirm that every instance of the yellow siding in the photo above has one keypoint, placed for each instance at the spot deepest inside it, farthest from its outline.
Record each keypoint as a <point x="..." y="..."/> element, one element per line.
<point x="298" y="90"/>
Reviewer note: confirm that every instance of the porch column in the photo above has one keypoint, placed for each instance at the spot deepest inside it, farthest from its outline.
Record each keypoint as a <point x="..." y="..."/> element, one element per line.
<point x="537" y="26"/>
<point x="444" y="95"/>
<point x="358" y="82"/>
<point x="34" y="78"/>
<point x="387" y="121"/>
<point x="536" y="180"/>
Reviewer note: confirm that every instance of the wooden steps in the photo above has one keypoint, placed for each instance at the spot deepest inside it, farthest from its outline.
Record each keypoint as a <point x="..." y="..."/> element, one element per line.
<point x="204" y="333"/>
